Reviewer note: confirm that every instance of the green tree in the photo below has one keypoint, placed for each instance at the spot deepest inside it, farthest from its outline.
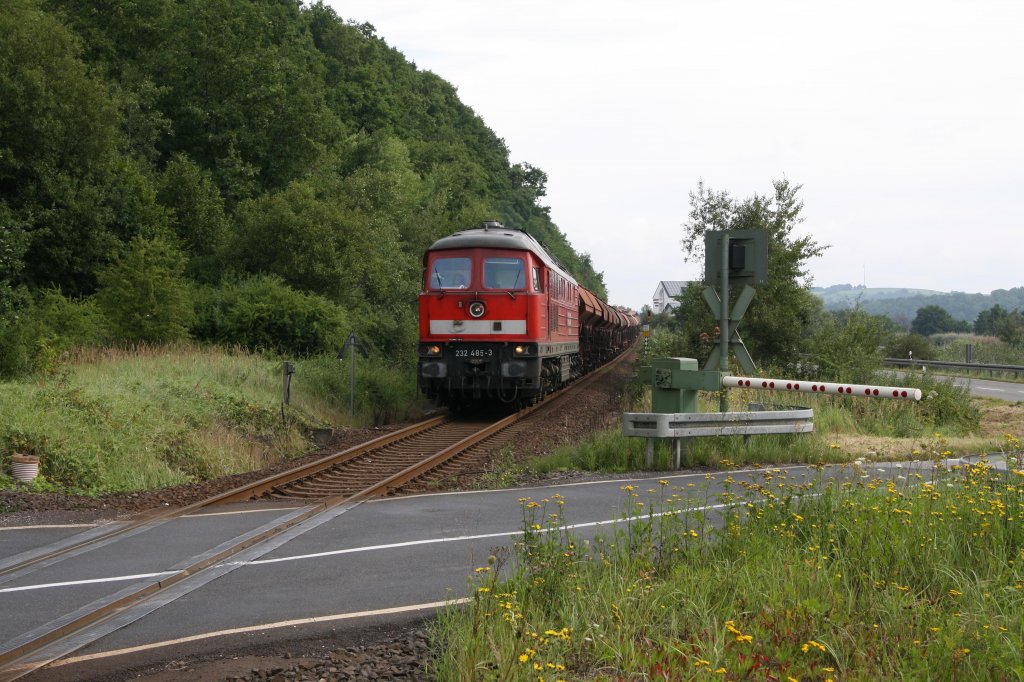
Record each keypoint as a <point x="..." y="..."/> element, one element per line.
<point x="779" y="319"/>
<point x="934" y="319"/>
<point x="145" y="295"/>
<point x="1011" y="329"/>
<point x="197" y="216"/>
<point x="58" y="135"/>
<point x="245" y="94"/>
<point x="13" y="244"/>
<point x="988" y="321"/>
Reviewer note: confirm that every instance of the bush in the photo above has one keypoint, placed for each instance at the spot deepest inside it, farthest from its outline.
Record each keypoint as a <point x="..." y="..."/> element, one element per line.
<point x="902" y="346"/>
<point x="944" y="404"/>
<point x="264" y="313"/>
<point x="77" y="471"/>
<point x="145" y="295"/>
<point x="846" y="348"/>
<point x="391" y="333"/>
<point x="34" y="338"/>
<point x="667" y="343"/>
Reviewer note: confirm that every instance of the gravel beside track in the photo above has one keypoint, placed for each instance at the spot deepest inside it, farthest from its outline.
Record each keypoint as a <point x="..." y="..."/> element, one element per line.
<point x="388" y="654"/>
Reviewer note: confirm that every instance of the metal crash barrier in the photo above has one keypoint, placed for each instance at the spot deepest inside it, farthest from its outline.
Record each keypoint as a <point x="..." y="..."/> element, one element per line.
<point x="675" y="383"/>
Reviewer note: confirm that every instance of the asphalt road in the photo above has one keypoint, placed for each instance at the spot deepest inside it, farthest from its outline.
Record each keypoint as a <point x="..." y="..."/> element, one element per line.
<point x="382" y="560"/>
<point x="985" y="388"/>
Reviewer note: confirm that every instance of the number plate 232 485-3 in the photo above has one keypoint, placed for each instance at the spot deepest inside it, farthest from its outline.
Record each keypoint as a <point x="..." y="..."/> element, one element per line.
<point x="474" y="352"/>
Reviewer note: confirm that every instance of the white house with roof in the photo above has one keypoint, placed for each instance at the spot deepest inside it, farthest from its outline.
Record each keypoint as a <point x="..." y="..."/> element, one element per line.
<point x="664" y="295"/>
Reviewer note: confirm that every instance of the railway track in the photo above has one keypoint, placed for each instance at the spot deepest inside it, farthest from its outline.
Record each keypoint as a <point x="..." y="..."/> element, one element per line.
<point x="377" y="468"/>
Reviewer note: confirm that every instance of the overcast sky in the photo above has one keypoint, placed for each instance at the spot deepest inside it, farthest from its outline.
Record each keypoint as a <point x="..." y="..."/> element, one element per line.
<point x="903" y="121"/>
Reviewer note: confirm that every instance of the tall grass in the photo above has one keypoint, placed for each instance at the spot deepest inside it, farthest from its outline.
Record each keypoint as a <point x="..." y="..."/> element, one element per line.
<point x="120" y="420"/>
<point x="917" y="576"/>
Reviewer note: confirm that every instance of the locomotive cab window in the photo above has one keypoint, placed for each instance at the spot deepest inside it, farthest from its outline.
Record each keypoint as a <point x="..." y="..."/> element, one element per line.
<point x="536" y="279"/>
<point x="504" y="273"/>
<point x="450" y="273"/>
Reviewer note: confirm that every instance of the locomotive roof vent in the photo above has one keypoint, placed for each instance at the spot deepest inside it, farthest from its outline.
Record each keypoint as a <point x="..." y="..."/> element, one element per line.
<point x="492" y="225"/>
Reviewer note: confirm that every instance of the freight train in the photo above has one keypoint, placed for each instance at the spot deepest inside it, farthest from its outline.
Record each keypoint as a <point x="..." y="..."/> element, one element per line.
<point x="503" y="323"/>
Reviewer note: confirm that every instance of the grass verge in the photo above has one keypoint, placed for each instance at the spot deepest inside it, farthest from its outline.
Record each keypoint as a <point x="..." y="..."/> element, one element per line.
<point x="911" y="577"/>
<point x="122" y="420"/>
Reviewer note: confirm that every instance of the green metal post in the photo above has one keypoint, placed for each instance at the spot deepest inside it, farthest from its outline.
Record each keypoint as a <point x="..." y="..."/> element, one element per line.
<point x="723" y="326"/>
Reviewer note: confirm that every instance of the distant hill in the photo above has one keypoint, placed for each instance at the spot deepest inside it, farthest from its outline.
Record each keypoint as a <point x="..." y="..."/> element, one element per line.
<point x="902" y="304"/>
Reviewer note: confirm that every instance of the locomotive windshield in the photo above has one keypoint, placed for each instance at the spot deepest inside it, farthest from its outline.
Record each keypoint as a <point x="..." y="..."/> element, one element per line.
<point x="504" y="273"/>
<point x="449" y="273"/>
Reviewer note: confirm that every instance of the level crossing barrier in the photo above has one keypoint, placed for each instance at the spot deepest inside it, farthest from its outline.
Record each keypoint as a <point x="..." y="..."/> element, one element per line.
<point x="675" y="383"/>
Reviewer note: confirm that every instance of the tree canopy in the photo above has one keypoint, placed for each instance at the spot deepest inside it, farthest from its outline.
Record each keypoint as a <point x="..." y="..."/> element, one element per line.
<point x="238" y="139"/>
<point x="934" y="319"/>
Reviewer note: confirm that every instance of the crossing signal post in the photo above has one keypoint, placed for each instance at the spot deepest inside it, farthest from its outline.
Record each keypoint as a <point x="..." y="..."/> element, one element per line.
<point x="739" y="257"/>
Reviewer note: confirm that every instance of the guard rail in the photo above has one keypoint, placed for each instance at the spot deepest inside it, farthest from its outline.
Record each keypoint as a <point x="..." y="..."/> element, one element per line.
<point x="970" y="366"/>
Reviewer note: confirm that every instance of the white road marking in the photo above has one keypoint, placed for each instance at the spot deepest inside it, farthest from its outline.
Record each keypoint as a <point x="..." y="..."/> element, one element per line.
<point x="551" y="486"/>
<point x="259" y="628"/>
<point x="44" y="526"/>
<point x="485" y="536"/>
<point x="113" y="579"/>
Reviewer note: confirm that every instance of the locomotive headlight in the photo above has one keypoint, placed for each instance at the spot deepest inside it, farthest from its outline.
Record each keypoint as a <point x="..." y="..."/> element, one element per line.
<point x="477" y="309"/>
<point x="520" y="349"/>
<point x="430" y="350"/>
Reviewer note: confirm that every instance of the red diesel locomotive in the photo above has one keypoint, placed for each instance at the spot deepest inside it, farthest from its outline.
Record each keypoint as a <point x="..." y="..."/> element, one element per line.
<point x="501" y="321"/>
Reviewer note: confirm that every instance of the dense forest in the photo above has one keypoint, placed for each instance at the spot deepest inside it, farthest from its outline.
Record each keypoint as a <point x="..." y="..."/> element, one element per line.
<point x="251" y="172"/>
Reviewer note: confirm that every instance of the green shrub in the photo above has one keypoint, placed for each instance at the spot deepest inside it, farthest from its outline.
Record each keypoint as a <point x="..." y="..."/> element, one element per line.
<point x="264" y="313"/>
<point x="668" y="343"/>
<point x="393" y="333"/>
<point x="944" y="404"/>
<point x="77" y="470"/>
<point x="145" y="295"/>
<point x="183" y="454"/>
<point x="846" y="347"/>
<point x="901" y="347"/>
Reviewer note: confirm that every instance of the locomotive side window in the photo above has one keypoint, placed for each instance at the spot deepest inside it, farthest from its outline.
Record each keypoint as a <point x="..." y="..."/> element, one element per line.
<point x="504" y="273"/>
<point x="450" y="273"/>
<point x="536" y="279"/>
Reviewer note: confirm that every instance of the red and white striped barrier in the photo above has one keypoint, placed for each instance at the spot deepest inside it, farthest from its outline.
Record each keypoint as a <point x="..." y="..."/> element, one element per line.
<point x="852" y="390"/>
